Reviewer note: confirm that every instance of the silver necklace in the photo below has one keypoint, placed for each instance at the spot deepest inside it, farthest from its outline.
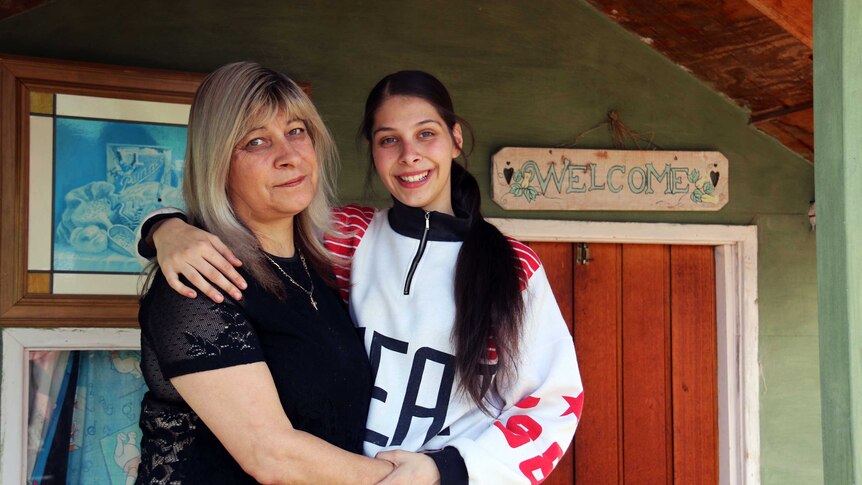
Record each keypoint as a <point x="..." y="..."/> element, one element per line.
<point x="308" y="292"/>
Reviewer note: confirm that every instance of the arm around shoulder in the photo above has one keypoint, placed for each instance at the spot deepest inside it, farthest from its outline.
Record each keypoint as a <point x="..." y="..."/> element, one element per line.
<point x="144" y="234"/>
<point x="183" y="249"/>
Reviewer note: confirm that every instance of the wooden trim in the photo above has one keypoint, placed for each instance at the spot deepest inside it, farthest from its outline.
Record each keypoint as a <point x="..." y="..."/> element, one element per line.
<point x="771" y="114"/>
<point x="627" y="232"/>
<point x="90" y="79"/>
<point x="737" y="448"/>
<point x="794" y="16"/>
<point x="18" y="76"/>
<point x="14" y="388"/>
<point x="13" y="411"/>
<point x="736" y="314"/>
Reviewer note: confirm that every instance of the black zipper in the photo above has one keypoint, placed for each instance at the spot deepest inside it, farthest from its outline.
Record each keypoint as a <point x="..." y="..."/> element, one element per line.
<point x="419" y="251"/>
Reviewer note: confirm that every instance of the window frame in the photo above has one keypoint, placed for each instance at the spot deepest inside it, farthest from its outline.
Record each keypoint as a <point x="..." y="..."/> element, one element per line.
<point x="18" y="77"/>
<point x="14" y="388"/>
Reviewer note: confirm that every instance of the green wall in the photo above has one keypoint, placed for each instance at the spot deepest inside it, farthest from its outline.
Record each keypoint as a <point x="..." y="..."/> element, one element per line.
<point x="523" y="74"/>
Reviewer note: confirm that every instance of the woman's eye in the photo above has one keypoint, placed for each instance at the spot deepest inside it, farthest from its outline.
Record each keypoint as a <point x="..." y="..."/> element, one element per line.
<point x="426" y="134"/>
<point x="387" y="140"/>
<point x="296" y="131"/>
<point x="255" y="142"/>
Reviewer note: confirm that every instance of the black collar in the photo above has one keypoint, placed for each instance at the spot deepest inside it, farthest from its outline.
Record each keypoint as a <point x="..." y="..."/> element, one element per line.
<point x="410" y="221"/>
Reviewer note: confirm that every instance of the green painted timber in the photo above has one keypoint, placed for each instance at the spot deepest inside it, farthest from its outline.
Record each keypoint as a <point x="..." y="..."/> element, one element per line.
<point x="838" y="90"/>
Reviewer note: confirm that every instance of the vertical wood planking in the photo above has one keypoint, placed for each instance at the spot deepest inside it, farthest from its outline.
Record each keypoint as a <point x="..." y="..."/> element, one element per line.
<point x="557" y="259"/>
<point x="643" y="320"/>
<point x="693" y="340"/>
<point x="648" y="437"/>
<point x="597" y="336"/>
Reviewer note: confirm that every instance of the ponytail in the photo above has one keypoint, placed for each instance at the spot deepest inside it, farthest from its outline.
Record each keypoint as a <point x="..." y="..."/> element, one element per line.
<point x="489" y="308"/>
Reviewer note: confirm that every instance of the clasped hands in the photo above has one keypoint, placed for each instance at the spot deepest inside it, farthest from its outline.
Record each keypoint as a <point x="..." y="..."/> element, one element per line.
<point x="410" y="468"/>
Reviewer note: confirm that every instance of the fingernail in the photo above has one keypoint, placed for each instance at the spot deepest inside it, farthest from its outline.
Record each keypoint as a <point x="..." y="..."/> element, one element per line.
<point x="243" y="284"/>
<point x="237" y="296"/>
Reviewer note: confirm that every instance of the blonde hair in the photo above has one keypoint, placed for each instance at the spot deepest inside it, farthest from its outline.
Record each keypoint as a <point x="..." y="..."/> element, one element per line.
<point x="229" y="102"/>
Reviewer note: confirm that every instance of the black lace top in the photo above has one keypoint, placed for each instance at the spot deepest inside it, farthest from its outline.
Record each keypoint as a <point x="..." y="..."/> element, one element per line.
<point x="318" y="363"/>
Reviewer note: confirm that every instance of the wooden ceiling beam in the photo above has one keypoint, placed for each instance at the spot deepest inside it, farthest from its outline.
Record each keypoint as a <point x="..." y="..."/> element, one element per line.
<point x="778" y="113"/>
<point x="795" y="16"/>
<point x="795" y="130"/>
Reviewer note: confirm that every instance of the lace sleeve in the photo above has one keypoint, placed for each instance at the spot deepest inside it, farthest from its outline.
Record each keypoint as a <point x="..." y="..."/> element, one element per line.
<point x="194" y="335"/>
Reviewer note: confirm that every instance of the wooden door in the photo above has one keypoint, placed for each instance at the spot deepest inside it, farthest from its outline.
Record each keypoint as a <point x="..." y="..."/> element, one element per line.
<point x="643" y="319"/>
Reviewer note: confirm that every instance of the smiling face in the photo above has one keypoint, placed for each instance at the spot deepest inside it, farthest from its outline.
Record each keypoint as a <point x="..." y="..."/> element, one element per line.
<point x="413" y="150"/>
<point x="273" y="172"/>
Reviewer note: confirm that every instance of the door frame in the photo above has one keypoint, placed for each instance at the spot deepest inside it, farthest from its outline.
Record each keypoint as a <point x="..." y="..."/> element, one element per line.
<point x="736" y="311"/>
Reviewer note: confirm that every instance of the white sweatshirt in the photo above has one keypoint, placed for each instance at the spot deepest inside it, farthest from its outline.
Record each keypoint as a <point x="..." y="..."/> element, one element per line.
<point x="405" y="312"/>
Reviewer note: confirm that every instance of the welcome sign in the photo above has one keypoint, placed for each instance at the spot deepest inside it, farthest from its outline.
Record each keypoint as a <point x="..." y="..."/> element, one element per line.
<point x="577" y="179"/>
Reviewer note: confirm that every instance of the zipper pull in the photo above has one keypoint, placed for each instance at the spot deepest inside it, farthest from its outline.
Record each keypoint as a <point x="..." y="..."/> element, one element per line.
<point x="419" y="251"/>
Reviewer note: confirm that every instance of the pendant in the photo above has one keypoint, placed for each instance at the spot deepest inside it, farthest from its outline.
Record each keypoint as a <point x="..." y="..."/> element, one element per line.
<point x="313" y="302"/>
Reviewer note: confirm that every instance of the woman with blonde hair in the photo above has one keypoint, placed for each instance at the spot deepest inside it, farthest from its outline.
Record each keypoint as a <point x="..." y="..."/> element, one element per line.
<point x="273" y="388"/>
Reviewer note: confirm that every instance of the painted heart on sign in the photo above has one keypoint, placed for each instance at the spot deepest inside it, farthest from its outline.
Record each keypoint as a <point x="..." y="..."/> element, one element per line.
<point x="508" y="173"/>
<point x="713" y="175"/>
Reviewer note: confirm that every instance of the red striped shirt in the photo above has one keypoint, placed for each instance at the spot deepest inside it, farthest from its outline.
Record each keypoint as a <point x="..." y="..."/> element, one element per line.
<point x="350" y="223"/>
<point x="529" y="260"/>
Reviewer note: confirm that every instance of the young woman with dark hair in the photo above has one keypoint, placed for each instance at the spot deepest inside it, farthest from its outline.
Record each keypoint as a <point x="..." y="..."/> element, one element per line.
<point x="471" y="360"/>
<point x="487" y="290"/>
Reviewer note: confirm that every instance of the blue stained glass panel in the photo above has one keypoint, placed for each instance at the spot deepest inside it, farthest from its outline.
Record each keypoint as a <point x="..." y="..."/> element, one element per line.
<point x="107" y="176"/>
